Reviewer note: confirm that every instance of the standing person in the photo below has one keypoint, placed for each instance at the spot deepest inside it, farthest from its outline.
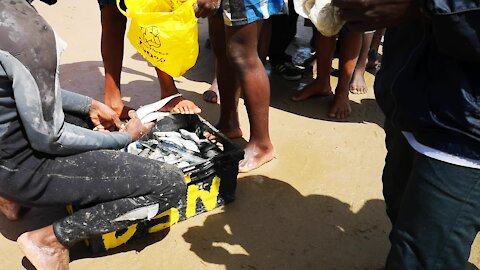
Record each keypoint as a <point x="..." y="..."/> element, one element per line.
<point x="350" y="45"/>
<point x="284" y="29"/>
<point x="239" y="69"/>
<point x="112" y="46"/>
<point x="374" y="58"/>
<point x="429" y="88"/>
<point x="46" y="161"/>
<point x="357" y="83"/>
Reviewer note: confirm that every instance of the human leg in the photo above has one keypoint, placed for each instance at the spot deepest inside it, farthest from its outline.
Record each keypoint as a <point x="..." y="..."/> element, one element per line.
<point x="211" y="95"/>
<point x="176" y="105"/>
<point x="9" y="209"/>
<point x="113" y="31"/>
<point x="349" y="50"/>
<point x="242" y="54"/>
<point x="438" y="217"/>
<point x="228" y="86"/>
<point x="283" y="32"/>
<point x="433" y="207"/>
<point x="358" y="84"/>
<point x="118" y="190"/>
<point x="324" y="47"/>
<point x="373" y="63"/>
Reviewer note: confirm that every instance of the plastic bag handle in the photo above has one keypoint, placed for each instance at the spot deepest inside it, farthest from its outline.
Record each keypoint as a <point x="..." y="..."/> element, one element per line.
<point x="121" y="10"/>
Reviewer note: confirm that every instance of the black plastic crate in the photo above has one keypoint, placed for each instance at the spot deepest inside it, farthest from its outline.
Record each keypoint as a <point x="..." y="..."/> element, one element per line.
<point x="210" y="184"/>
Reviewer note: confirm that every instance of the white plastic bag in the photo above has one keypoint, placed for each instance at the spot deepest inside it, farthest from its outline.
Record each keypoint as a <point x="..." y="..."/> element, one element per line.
<point x="322" y="14"/>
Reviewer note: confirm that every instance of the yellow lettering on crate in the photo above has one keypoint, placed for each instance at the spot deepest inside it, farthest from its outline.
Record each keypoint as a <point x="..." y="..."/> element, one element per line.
<point x="110" y="240"/>
<point x="173" y="218"/>
<point x="208" y="198"/>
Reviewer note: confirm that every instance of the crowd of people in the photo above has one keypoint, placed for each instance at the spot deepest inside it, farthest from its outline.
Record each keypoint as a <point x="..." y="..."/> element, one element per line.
<point x="428" y="87"/>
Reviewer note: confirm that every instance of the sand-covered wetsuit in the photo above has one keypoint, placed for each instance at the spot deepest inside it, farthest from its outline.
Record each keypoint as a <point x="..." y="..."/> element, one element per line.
<point x="45" y="161"/>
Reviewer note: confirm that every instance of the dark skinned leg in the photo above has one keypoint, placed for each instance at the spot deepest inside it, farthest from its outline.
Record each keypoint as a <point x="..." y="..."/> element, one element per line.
<point x="324" y="47"/>
<point x="349" y="51"/>
<point x="176" y="105"/>
<point x="242" y="44"/>
<point x="358" y="84"/>
<point x="113" y="31"/>
<point x="228" y="86"/>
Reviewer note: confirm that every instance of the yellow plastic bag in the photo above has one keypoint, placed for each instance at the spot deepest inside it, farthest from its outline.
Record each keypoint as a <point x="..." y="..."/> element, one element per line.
<point x="164" y="32"/>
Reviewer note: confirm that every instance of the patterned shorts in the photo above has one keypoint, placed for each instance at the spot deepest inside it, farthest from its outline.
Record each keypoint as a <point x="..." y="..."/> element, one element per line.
<point x="242" y="12"/>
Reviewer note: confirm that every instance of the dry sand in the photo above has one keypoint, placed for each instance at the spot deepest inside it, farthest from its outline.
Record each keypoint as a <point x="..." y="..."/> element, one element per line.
<point x="318" y="205"/>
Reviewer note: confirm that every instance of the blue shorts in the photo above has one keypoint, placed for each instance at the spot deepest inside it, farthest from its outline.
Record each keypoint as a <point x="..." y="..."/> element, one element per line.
<point x="242" y="12"/>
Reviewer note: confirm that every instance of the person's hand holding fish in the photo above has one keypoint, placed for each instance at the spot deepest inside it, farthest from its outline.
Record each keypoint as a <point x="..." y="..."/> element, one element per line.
<point x="135" y="127"/>
<point x="103" y="117"/>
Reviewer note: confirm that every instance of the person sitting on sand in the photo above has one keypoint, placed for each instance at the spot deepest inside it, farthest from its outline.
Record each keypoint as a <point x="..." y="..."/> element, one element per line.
<point x="349" y="50"/>
<point x="47" y="161"/>
<point x="112" y="47"/>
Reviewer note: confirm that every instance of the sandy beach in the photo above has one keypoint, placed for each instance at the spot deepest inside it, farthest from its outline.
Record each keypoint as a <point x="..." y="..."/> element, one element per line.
<point x="317" y="205"/>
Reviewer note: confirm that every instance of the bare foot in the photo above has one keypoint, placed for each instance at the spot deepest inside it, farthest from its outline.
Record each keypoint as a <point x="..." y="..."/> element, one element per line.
<point x="212" y="95"/>
<point x="358" y="84"/>
<point x="10" y="209"/>
<point x="181" y="105"/>
<point x="255" y="157"/>
<point x="118" y="107"/>
<point x="311" y="90"/>
<point x="232" y="132"/>
<point x="340" y="107"/>
<point x="42" y="251"/>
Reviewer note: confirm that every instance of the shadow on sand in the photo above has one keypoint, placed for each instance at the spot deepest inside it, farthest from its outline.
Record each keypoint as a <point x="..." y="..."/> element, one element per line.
<point x="320" y="231"/>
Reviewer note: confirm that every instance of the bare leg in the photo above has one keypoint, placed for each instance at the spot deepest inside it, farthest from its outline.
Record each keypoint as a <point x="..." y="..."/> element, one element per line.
<point x="10" y="209"/>
<point x="43" y="250"/>
<point x="358" y="84"/>
<point x="227" y="81"/>
<point x="179" y="104"/>
<point x="264" y="41"/>
<point x="242" y="44"/>
<point x="211" y="95"/>
<point x="373" y="59"/>
<point x="113" y="31"/>
<point x="349" y="50"/>
<point x="324" y="47"/>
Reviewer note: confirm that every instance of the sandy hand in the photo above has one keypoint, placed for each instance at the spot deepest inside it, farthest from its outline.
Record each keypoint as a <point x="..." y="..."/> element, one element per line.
<point x="135" y="127"/>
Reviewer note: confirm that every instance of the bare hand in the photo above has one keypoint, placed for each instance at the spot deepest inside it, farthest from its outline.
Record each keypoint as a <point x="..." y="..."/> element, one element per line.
<point x="135" y="127"/>
<point x="363" y="15"/>
<point x="103" y="117"/>
<point x="206" y="8"/>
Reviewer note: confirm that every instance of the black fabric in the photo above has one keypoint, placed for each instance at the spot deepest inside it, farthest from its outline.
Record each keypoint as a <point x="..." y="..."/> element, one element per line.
<point x="113" y="182"/>
<point x="434" y="95"/>
<point x="284" y="29"/>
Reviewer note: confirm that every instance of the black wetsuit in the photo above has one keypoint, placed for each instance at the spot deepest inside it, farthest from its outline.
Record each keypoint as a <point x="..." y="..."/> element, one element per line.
<point x="45" y="161"/>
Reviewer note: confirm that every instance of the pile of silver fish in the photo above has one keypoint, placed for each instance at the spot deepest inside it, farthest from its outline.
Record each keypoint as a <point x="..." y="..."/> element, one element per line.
<point x="183" y="148"/>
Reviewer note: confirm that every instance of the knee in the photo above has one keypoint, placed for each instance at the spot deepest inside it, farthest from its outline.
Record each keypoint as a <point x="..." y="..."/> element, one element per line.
<point x="170" y="185"/>
<point x="241" y="59"/>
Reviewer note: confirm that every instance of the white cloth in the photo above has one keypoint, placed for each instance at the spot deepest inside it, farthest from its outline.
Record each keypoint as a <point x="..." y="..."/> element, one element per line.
<point x="322" y="14"/>
<point x="439" y="155"/>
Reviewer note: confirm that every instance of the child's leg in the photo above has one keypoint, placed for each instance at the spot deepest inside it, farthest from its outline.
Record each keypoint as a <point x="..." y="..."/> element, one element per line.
<point x="113" y="31"/>
<point x="357" y="84"/>
<point x="228" y="86"/>
<point x="324" y="47"/>
<point x="176" y="105"/>
<point x="373" y="59"/>
<point x="242" y="42"/>
<point x="349" y="50"/>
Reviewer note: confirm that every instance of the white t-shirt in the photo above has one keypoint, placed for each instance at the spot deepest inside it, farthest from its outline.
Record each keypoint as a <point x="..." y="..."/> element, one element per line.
<point x="439" y="155"/>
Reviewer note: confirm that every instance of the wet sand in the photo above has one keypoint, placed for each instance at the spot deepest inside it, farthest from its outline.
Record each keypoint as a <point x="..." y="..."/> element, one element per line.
<point x="318" y="205"/>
